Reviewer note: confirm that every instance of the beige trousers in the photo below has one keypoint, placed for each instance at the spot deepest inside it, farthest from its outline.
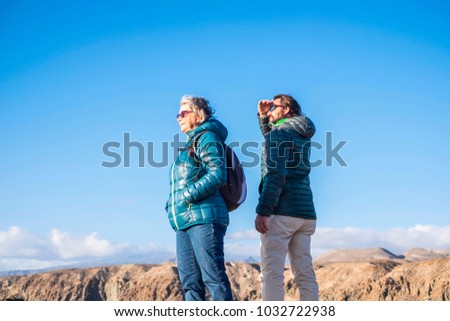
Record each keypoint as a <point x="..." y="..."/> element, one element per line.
<point x="292" y="236"/>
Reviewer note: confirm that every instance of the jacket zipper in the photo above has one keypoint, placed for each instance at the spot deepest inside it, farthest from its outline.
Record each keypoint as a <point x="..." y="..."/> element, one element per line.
<point x="173" y="197"/>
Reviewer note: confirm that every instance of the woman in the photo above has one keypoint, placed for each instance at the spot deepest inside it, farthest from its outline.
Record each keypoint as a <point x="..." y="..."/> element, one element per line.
<point x="196" y="209"/>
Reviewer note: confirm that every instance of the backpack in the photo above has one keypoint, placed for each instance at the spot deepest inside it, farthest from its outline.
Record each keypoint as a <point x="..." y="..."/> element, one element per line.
<point x="234" y="191"/>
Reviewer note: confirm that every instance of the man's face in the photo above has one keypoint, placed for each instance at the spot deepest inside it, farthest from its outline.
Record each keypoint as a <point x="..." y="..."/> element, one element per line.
<point x="278" y="111"/>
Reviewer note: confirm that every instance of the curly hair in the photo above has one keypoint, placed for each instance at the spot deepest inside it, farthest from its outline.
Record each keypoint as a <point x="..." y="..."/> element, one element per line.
<point x="199" y="105"/>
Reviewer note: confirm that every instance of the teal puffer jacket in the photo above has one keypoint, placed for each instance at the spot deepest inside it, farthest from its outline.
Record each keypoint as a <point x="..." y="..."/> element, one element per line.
<point x="285" y="187"/>
<point x="195" y="196"/>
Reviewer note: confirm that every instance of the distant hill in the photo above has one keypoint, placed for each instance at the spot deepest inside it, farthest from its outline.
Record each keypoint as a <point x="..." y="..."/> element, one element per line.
<point x="381" y="276"/>
<point x="355" y="255"/>
<point x="418" y="254"/>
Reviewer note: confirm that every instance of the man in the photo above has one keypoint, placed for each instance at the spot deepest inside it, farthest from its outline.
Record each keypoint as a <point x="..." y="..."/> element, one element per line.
<point x="286" y="217"/>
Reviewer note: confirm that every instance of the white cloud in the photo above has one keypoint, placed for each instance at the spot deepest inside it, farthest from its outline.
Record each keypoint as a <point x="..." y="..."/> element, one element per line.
<point x="10" y="264"/>
<point x="396" y="240"/>
<point x="241" y="245"/>
<point x="18" y="242"/>
<point x="20" y="249"/>
<point x="244" y="235"/>
<point x="69" y="247"/>
<point x="238" y="251"/>
<point x="419" y="236"/>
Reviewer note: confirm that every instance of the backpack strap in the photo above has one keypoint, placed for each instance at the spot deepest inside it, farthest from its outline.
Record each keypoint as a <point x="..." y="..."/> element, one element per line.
<point x="192" y="152"/>
<point x="192" y="149"/>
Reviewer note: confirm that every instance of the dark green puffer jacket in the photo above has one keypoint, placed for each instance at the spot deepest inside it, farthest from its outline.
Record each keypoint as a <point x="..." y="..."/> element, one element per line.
<point x="285" y="187"/>
<point x="199" y="201"/>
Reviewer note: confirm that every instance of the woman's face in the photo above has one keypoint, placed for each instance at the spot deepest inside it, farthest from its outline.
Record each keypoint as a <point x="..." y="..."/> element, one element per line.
<point x="187" y="119"/>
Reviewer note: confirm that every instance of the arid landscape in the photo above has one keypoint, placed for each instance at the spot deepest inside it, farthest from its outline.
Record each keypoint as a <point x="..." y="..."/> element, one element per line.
<point x="369" y="274"/>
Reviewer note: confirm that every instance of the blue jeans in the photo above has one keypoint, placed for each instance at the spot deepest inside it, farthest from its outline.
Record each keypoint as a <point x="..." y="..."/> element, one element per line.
<point x="201" y="263"/>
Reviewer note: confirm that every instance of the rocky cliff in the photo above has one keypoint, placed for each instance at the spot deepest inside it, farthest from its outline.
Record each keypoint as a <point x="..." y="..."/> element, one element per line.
<point x="373" y="279"/>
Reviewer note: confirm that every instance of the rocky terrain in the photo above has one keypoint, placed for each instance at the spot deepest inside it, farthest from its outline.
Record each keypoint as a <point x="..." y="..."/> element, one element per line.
<point x="373" y="274"/>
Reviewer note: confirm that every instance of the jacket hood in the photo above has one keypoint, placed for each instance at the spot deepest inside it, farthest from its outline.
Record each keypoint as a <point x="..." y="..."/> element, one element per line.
<point x="212" y="125"/>
<point x="302" y="125"/>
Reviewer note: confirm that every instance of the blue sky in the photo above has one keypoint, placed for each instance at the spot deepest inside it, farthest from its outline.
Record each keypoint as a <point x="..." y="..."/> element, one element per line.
<point x="76" y="75"/>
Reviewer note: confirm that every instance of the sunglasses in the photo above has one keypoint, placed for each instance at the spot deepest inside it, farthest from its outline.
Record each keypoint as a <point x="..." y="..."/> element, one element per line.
<point x="183" y="114"/>
<point x="273" y="107"/>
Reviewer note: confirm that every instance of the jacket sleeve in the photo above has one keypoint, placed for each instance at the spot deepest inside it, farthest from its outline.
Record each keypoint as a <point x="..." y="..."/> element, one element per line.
<point x="264" y="125"/>
<point x="210" y="151"/>
<point x="278" y="147"/>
